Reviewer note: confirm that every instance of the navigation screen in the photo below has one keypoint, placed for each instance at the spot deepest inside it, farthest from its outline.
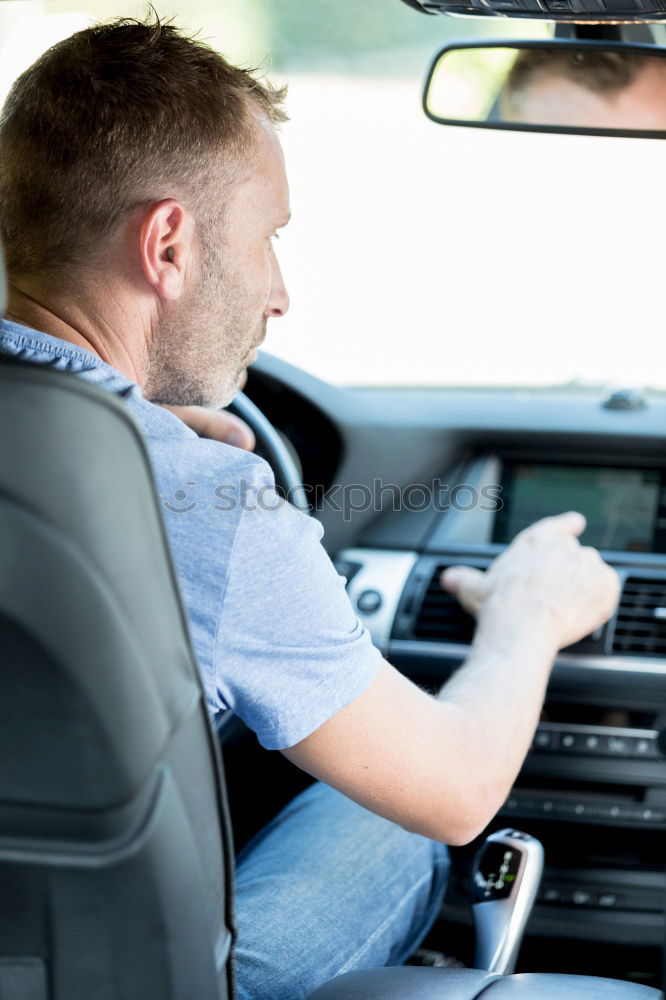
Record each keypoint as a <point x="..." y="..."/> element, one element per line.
<point x="622" y="506"/>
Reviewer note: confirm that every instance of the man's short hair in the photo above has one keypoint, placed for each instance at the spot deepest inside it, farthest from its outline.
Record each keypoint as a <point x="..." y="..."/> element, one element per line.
<point x="114" y="116"/>
<point x="601" y="72"/>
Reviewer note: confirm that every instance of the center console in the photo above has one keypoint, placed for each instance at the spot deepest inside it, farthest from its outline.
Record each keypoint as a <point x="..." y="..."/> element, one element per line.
<point x="593" y="786"/>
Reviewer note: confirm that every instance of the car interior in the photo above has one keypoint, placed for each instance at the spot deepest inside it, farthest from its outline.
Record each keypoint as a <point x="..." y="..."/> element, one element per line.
<point x="113" y="819"/>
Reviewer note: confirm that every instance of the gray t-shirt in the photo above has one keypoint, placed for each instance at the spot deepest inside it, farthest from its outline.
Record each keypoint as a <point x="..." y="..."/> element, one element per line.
<point x="275" y="634"/>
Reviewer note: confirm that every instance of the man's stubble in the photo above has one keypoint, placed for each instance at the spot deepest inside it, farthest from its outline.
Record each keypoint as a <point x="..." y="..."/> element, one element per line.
<point x="200" y="347"/>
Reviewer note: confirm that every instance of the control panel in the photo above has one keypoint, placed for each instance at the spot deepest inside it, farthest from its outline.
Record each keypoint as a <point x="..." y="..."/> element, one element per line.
<point x="597" y="741"/>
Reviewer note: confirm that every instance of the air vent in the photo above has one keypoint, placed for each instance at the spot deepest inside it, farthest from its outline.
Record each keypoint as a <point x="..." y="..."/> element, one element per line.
<point x="440" y="617"/>
<point x="641" y="619"/>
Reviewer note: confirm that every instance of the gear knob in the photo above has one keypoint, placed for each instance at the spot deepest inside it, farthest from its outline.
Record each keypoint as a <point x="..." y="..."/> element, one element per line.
<point x="506" y="873"/>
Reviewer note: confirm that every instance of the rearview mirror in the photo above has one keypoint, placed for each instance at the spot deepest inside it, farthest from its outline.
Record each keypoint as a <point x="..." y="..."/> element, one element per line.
<point x="582" y="87"/>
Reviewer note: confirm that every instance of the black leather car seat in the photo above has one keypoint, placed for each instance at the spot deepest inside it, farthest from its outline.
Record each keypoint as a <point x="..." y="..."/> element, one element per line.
<point x="115" y="853"/>
<point x="115" y="859"/>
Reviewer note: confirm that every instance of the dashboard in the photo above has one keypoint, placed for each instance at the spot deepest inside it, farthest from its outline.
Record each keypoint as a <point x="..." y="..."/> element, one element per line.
<point x="473" y="467"/>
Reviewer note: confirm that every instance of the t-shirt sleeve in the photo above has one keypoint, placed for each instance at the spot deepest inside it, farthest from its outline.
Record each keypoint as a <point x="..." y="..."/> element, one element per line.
<point x="290" y="651"/>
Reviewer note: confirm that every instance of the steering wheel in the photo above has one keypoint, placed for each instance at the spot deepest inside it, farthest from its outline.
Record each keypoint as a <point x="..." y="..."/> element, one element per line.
<point x="288" y="482"/>
<point x="271" y="447"/>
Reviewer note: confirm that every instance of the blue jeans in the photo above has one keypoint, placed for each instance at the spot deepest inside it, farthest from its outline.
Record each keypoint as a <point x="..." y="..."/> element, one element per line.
<point x="328" y="887"/>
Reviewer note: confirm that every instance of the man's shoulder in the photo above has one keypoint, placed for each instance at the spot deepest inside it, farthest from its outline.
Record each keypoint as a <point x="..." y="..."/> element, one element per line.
<point x="158" y="423"/>
<point x="185" y="463"/>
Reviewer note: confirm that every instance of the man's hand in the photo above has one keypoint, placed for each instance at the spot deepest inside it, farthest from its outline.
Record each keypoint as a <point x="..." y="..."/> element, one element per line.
<point x="218" y="425"/>
<point x="545" y="568"/>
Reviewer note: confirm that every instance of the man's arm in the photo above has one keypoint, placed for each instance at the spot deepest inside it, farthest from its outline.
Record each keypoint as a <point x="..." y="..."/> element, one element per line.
<point x="442" y="766"/>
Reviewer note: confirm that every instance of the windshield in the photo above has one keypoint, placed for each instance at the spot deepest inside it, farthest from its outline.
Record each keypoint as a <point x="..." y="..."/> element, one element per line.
<point x="422" y="254"/>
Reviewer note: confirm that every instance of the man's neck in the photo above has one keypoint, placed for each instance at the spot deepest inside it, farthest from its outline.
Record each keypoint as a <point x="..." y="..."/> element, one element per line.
<point x="83" y="327"/>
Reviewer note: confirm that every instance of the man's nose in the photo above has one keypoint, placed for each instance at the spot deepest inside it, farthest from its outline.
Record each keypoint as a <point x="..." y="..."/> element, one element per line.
<point x="278" y="300"/>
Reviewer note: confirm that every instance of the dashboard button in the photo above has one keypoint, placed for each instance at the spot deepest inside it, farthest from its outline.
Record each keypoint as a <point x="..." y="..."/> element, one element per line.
<point x="645" y="748"/>
<point x="579" y="743"/>
<point x="545" y="739"/>
<point x="619" y="746"/>
<point x="646" y="814"/>
<point x="607" y="900"/>
<point x="369" y="601"/>
<point x="581" y="898"/>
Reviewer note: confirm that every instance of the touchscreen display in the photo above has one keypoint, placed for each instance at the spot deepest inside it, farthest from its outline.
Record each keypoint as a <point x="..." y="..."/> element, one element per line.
<point x="622" y="506"/>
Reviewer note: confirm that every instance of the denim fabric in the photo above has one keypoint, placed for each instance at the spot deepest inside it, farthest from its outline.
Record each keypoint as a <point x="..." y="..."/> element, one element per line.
<point x="329" y="887"/>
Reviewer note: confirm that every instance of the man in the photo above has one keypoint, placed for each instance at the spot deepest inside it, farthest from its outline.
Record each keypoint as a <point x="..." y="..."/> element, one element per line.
<point x="141" y="186"/>
<point x="593" y="89"/>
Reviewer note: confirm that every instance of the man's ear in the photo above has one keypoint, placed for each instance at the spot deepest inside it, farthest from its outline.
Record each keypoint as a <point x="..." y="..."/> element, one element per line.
<point x="166" y="241"/>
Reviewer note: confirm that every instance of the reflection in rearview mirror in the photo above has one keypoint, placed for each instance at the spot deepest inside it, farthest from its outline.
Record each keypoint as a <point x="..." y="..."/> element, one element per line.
<point x="551" y="86"/>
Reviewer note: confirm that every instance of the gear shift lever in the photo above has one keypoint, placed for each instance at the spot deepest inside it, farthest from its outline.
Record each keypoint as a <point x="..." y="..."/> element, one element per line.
<point x="505" y="878"/>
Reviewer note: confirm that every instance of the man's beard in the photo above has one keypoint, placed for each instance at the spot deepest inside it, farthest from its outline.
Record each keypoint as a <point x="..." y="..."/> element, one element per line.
<point x="201" y="345"/>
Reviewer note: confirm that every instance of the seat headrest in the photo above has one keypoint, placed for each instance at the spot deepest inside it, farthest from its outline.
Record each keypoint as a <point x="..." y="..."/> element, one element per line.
<point x="3" y="284"/>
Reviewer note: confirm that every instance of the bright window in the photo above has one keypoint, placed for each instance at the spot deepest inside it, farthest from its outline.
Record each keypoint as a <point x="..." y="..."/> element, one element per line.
<point x="420" y="254"/>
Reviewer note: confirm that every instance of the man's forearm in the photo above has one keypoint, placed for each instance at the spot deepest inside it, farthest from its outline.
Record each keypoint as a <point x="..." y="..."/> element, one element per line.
<point x="440" y="766"/>
<point x="443" y="766"/>
<point x="494" y="701"/>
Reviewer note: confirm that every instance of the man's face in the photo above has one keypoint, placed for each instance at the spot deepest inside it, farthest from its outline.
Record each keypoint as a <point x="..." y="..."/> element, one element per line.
<point x="206" y="340"/>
